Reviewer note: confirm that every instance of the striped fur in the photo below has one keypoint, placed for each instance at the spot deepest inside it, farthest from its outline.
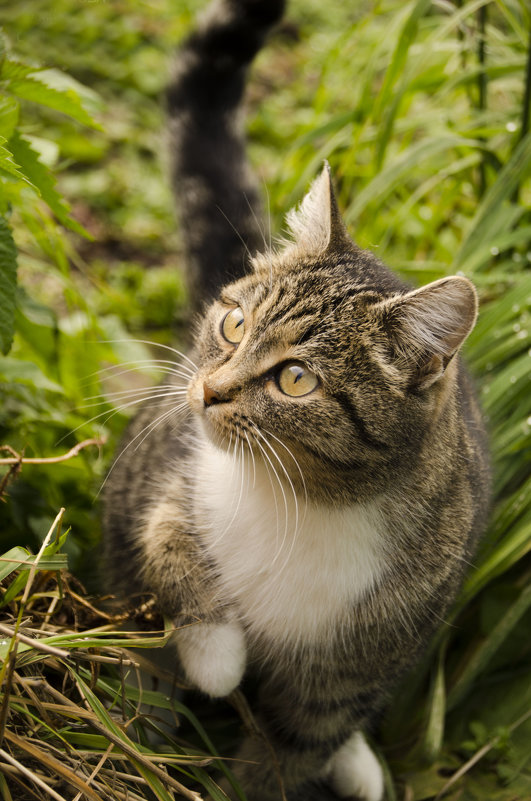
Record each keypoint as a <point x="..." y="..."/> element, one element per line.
<point x="320" y="538"/>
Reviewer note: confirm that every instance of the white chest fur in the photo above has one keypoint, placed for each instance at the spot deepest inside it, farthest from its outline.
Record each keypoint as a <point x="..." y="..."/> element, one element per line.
<point x="293" y="568"/>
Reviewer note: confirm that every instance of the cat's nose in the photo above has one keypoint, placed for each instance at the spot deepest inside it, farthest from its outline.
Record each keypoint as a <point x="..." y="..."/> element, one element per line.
<point x="211" y="395"/>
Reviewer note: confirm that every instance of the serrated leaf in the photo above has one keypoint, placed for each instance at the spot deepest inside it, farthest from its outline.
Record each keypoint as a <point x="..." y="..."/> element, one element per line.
<point x="12" y="70"/>
<point x="7" y="165"/>
<point x="37" y="91"/>
<point x="8" y="284"/>
<point x="21" y="370"/>
<point x="63" y="82"/>
<point x="9" y="109"/>
<point x="43" y="180"/>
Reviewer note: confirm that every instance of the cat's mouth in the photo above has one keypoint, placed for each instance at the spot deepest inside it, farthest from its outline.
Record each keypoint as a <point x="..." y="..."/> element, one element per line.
<point x="229" y="431"/>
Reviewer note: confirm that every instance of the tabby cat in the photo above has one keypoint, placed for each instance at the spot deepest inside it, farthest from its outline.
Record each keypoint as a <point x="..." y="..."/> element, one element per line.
<point x="311" y="482"/>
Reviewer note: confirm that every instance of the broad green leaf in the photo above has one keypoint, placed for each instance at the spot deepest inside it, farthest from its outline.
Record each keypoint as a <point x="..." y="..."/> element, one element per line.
<point x="62" y="82"/>
<point x="44" y="181"/>
<point x="22" y="370"/>
<point x="37" y="91"/>
<point x="13" y="70"/>
<point x="8" y="282"/>
<point x="9" y="111"/>
<point x="7" y="165"/>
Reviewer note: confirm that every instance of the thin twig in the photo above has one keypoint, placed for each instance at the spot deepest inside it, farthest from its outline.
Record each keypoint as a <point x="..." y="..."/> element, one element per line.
<point x="18" y="459"/>
<point x="96" y="770"/>
<point x="479" y="755"/>
<point x="30" y="775"/>
<point x="145" y="762"/>
<point x="33" y="569"/>
<point x="8" y="667"/>
<point x="37" y="644"/>
<point x="53" y="764"/>
<point x="12" y="472"/>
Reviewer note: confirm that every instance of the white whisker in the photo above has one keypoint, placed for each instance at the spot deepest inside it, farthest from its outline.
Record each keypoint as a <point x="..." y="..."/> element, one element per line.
<point x="240" y="237"/>
<point x="179" y="353"/>
<point x="237" y="464"/>
<point x="252" y="457"/>
<point x="161" y="390"/>
<point x="297" y="465"/>
<point x="183" y="406"/>
<point x="160" y="419"/>
<point x="183" y="371"/>
<point x="286" y="506"/>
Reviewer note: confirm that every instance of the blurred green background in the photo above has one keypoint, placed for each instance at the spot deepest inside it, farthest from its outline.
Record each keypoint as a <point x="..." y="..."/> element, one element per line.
<point x="422" y="109"/>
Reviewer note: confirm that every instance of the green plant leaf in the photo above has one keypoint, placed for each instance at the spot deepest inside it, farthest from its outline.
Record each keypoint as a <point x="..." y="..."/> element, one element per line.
<point x="7" y="165"/>
<point x="11" y="69"/>
<point x="405" y="40"/>
<point x="9" y="111"/>
<point x="37" y="91"/>
<point x="486" y="222"/>
<point x="434" y="736"/>
<point x="12" y="560"/>
<point x="22" y="370"/>
<point x="8" y="283"/>
<point x="479" y="659"/>
<point x="401" y="168"/>
<point x="41" y="177"/>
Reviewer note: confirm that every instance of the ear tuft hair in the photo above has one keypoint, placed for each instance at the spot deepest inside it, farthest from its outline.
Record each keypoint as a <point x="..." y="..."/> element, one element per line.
<point x="316" y="224"/>
<point x="428" y="326"/>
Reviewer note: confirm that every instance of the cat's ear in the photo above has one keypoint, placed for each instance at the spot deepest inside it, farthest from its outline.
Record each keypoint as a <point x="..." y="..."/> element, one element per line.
<point x="316" y="224"/>
<point x="427" y="326"/>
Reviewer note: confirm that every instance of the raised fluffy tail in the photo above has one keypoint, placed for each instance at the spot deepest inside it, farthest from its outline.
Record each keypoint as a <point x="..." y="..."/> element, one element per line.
<point x="216" y="193"/>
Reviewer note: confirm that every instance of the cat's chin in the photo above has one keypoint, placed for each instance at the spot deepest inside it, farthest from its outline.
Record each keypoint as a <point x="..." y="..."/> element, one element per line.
<point x="216" y="434"/>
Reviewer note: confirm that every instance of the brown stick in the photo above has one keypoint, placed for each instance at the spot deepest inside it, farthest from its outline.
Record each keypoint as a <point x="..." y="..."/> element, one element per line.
<point x="18" y="459"/>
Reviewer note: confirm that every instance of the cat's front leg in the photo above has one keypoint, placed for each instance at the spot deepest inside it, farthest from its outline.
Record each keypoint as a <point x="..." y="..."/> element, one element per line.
<point x="209" y="638"/>
<point x="213" y="655"/>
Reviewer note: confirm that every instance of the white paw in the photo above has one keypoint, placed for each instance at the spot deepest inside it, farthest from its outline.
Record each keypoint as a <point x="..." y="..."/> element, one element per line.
<point x="354" y="770"/>
<point x="213" y="655"/>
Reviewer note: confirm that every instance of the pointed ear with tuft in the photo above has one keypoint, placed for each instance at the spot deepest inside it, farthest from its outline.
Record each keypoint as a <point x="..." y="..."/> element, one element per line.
<point x="427" y="327"/>
<point x="316" y="225"/>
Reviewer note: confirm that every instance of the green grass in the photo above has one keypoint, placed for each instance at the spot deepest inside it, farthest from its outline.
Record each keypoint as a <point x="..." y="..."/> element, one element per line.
<point x="427" y="133"/>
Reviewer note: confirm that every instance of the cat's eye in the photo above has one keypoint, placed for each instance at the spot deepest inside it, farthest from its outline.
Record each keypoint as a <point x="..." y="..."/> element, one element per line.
<point x="296" y="380"/>
<point x="232" y="326"/>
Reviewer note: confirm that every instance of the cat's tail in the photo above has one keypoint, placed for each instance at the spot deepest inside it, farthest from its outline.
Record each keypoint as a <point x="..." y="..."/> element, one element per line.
<point x="216" y="194"/>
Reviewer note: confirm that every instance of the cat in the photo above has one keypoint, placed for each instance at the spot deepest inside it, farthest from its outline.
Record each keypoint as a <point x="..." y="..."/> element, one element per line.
<point x="313" y="479"/>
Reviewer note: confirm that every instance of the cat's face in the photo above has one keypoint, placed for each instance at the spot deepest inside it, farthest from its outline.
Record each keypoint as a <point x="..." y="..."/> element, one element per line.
<point x="322" y="363"/>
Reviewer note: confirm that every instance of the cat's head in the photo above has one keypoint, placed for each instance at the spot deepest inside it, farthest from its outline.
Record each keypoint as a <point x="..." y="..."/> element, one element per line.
<point x="322" y="360"/>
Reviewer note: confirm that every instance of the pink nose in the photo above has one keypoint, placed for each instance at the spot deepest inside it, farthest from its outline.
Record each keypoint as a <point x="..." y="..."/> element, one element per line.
<point x="210" y="395"/>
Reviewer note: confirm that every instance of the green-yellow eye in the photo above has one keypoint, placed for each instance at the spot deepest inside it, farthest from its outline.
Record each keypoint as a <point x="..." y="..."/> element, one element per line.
<point x="232" y="326"/>
<point x="295" y="380"/>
